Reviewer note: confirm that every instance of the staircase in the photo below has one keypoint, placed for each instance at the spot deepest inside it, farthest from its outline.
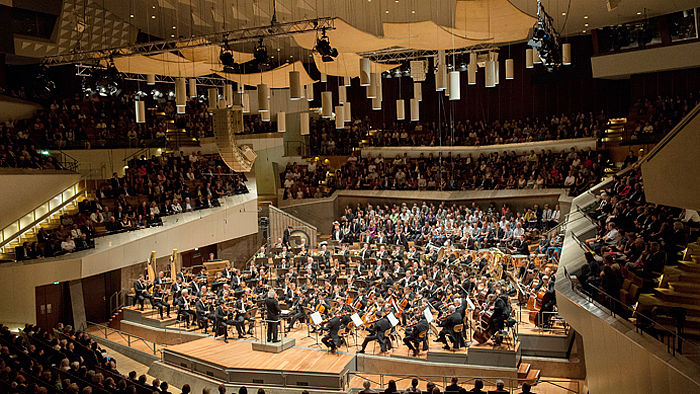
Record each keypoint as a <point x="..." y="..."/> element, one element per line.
<point x="46" y="216"/>
<point x="615" y="131"/>
<point x="528" y="374"/>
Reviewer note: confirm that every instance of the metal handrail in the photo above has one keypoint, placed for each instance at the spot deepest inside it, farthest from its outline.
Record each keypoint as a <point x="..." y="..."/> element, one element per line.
<point x="442" y="381"/>
<point x="153" y="346"/>
<point x="4" y="240"/>
<point x="290" y="216"/>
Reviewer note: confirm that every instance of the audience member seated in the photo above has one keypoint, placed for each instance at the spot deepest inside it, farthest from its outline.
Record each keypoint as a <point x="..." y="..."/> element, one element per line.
<point x="651" y="120"/>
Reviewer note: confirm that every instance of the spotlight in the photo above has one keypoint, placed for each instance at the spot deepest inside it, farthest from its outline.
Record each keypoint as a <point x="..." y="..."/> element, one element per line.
<point x="545" y="39"/>
<point x="260" y="53"/>
<point x="324" y="48"/>
<point x="226" y="58"/>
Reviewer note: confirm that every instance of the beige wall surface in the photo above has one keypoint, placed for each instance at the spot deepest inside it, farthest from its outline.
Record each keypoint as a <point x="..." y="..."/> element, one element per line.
<point x="13" y="109"/>
<point x="24" y="190"/>
<point x="236" y="218"/>
<point x="622" y="65"/>
<point x="101" y="163"/>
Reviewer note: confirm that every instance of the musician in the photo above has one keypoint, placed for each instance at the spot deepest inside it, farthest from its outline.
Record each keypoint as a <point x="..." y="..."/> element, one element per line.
<point x="242" y="307"/>
<point x="366" y="252"/>
<point x="548" y="302"/>
<point x="181" y="275"/>
<point x="501" y="315"/>
<point x="382" y="253"/>
<point x="297" y="313"/>
<point x="226" y="273"/>
<point x="378" y="331"/>
<point x="202" y="315"/>
<point x="222" y="320"/>
<point x="387" y="280"/>
<point x="261" y="253"/>
<point x="175" y="290"/>
<point x="286" y="235"/>
<point x="413" y="254"/>
<point x="325" y="256"/>
<point x="141" y="290"/>
<point x="184" y="310"/>
<point x="337" y="234"/>
<point x="273" y="316"/>
<point x="160" y="279"/>
<point x="160" y="300"/>
<point x="448" y="329"/>
<point x="235" y="279"/>
<point x="407" y="280"/>
<point x="413" y="339"/>
<point x="332" y="339"/>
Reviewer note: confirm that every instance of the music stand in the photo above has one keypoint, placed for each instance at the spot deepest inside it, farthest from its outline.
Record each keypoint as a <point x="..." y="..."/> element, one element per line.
<point x="316" y="319"/>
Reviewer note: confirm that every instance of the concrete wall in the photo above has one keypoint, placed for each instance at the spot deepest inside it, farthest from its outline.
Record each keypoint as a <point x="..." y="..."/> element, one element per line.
<point x="13" y="108"/>
<point x="101" y="163"/>
<point x="238" y="250"/>
<point x="237" y="217"/>
<point x="622" y="65"/>
<point x="322" y="212"/>
<point x="24" y="190"/>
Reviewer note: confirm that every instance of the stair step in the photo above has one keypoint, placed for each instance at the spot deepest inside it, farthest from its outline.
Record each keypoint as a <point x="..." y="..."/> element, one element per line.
<point x="647" y="301"/>
<point x="523" y="370"/>
<point x="674" y="296"/>
<point x="685" y="287"/>
<point x="689" y="266"/>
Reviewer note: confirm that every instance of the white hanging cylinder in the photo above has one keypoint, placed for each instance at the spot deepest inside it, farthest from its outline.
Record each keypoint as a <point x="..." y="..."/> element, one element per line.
<point x="509" y="68"/>
<point x="240" y="88"/>
<point x="265" y="116"/>
<point x="150" y="79"/>
<point x="490" y="80"/>
<point x="327" y="104"/>
<point x="418" y="91"/>
<point x="324" y="77"/>
<point x="213" y="98"/>
<point x="380" y="94"/>
<point x="454" y="86"/>
<point x="364" y="72"/>
<point x="400" y="110"/>
<point x="140" y="107"/>
<point x="263" y="98"/>
<point x="566" y="53"/>
<point x="309" y="92"/>
<point x="245" y="100"/>
<point x="339" y="117"/>
<point x="529" y="60"/>
<point x="347" y="81"/>
<point x="471" y="73"/>
<point x="441" y="76"/>
<point x="180" y="95"/>
<point x="536" y="57"/>
<point x="295" y="90"/>
<point x="498" y="72"/>
<point x="228" y="95"/>
<point x="304" y="128"/>
<point x="281" y="122"/>
<point x="193" y="87"/>
<point x="415" y="110"/>
<point x="342" y="94"/>
<point x="347" y="111"/>
<point x="376" y="104"/>
<point x="372" y="88"/>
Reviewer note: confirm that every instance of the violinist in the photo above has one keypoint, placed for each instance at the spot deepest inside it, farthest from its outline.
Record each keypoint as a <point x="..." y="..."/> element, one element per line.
<point x="325" y="256"/>
<point x="448" y="325"/>
<point x="235" y="279"/>
<point x="227" y="273"/>
<point x="378" y="332"/>
<point x="297" y="313"/>
<point x="222" y="320"/>
<point x="413" y="335"/>
<point x="332" y="339"/>
<point x="175" y="290"/>
<point x="141" y="290"/>
<point x="202" y="313"/>
<point x="184" y="311"/>
<point x="366" y="252"/>
<point x="241" y="308"/>
<point x="160" y="300"/>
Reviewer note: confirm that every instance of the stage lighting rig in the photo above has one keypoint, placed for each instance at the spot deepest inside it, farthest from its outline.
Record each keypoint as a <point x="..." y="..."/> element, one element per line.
<point x="226" y="58"/>
<point x="260" y="54"/>
<point x="545" y="40"/>
<point x="324" y="48"/>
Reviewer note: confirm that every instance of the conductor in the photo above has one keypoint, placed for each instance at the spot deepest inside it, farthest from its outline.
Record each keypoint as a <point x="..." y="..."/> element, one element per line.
<point x="273" y="316"/>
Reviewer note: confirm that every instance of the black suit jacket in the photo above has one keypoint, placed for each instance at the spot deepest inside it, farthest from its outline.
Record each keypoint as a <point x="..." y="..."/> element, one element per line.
<point x="273" y="309"/>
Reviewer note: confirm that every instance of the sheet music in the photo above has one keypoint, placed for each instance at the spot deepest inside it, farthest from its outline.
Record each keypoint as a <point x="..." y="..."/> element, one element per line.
<point x="356" y="319"/>
<point x="428" y="315"/>
<point x="470" y="304"/>
<point x="316" y="318"/>
<point x="392" y="319"/>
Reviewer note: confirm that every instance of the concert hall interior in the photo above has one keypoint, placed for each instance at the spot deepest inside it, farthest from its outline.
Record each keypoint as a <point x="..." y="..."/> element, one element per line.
<point x="349" y="196"/>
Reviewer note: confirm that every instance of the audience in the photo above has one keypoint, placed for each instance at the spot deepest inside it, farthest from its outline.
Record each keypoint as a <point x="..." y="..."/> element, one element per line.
<point x="574" y="170"/>
<point x="651" y="120"/>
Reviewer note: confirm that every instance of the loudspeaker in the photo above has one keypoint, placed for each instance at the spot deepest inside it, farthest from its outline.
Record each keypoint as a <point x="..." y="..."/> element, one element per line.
<point x="227" y="123"/>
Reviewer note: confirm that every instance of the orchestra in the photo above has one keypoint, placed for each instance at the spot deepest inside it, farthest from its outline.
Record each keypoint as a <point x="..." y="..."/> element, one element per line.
<point x="457" y="295"/>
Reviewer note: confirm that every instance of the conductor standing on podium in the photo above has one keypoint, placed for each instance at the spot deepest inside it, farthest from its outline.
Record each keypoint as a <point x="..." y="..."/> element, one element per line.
<point x="273" y="316"/>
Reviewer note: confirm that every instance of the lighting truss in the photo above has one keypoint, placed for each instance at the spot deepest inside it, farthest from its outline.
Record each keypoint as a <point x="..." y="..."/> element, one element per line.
<point x="85" y="70"/>
<point x="396" y="55"/>
<point x="232" y="37"/>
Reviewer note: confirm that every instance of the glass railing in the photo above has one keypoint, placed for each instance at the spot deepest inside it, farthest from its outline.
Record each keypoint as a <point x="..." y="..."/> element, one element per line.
<point x="14" y="231"/>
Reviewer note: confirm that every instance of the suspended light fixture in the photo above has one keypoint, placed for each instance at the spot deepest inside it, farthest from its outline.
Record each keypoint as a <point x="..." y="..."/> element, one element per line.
<point x="454" y="86"/>
<point x="304" y="128"/>
<point x="566" y="53"/>
<point x="140" y="107"/>
<point x="193" y="87"/>
<point x="509" y="68"/>
<point x="263" y="98"/>
<point x="415" y="110"/>
<point x="376" y="104"/>
<point x="490" y="80"/>
<point x="281" y="122"/>
<point x="228" y="95"/>
<point x="529" y="60"/>
<point x="309" y="92"/>
<point x="295" y="90"/>
<point x="213" y="98"/>
<point x="400" y="109"/>
<point x="240" y="88"/>
<point x="180" y="95"/>
<point x="324" y="77"/>
<point x="380" y="91"/>
<point x="342" y="94"/>
<point x="441" y="75"/>
<point x="150" y="79"/>
<point x="471" y="73"/>
<point x="347" y="111"/>
<point x="536" y="57"/>
<point x="245" y="101"/>
<point x="418" y="91"/>
<point x="347" y="81"/>
<point x="339" y="117"/>
<point x="265" y="116"/>
<point x="327" y="104"/>
<point x="375" y="79"/>
<point x="364" y="72"/>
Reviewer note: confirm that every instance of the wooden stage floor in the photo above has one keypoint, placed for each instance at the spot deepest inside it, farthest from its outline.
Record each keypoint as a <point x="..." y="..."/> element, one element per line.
<point x="239" y="354"/>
